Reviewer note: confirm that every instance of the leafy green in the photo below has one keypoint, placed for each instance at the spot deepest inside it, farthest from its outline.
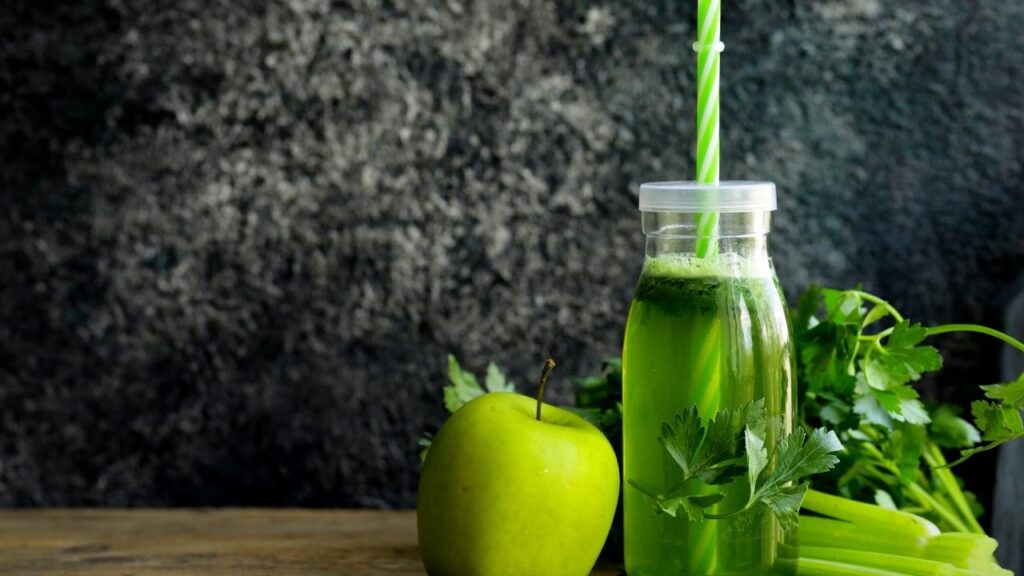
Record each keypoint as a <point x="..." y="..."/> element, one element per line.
<point x="858" y="361"/>
<point x="671" y="503"/>
<point x="495" y="381"/>
<point x="1011" y="394"/>
<point x="464" y="387"/>
<point x="901" y="359"/>
<point x="733" y="445"/>
<point x="949" y="430"/>
<point x="799" y="456"/>
<point x="999" y="422"/>
<point x="599" y="400"/>
<point x="707" y="453"/>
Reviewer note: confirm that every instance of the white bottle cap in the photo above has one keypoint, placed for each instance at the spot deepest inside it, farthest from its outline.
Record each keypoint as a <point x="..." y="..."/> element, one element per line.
<point x="691" y="197"/>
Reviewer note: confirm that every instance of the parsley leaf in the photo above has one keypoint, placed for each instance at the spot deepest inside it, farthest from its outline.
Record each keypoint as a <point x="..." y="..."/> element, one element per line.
<point x="464" y="387"/>
<point x="495" y="381"/>
<point x="798" y="455"/>
<point x="785" y="503"/>
<point x="710" y="454"/>
<point x="707" y="453"/>
<point x="998" y="423"/>
<point x="949" y="430"/>
<point x="734" y="444"/>
<point x="683" y="440"/>
<point x="826" y="351"/>
<point x="1011" y="394"/>
<point x="672" y="504"/>
<point x="901" y="360"/>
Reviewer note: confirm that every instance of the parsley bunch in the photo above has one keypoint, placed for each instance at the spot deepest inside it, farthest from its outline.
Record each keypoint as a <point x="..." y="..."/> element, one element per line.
<point x="858" y="361"/>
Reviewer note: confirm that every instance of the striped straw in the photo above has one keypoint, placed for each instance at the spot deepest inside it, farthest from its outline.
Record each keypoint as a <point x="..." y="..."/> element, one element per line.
<point x="709" y="48"/>
<point x="703" y="557"/>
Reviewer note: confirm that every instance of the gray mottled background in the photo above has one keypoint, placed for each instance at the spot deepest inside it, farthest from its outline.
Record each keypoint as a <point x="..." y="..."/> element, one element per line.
<point x="238" y="238"/>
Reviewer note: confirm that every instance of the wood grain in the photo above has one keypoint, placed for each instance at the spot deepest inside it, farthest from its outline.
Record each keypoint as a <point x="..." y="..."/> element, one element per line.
<point x="224" y="542"/>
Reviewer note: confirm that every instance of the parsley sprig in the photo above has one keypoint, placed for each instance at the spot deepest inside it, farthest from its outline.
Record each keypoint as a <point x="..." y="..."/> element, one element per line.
<point x="859" y="360"/>
<point x="731" y="448"/>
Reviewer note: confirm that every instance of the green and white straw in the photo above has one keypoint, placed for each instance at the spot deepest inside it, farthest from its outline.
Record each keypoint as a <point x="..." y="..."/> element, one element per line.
<point x="709" y="49"/>
<point x="703" y="557"/>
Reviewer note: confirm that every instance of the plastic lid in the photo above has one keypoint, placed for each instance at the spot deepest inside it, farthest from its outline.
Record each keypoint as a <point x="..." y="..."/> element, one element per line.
<point x="735" y="196"/>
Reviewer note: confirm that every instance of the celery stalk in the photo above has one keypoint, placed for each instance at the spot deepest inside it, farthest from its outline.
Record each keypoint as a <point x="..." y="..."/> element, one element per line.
<point x="964" y="550"/>
<point x="933" y="456"/>
<point x="903" y="564"/>
<point x="814" y="567"/>
<point x="867" y="514"/>
<point x="816" y="531"/>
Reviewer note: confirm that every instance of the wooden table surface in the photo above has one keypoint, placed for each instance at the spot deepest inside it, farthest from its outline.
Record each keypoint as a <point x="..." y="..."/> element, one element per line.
<point x="222" y="542"/>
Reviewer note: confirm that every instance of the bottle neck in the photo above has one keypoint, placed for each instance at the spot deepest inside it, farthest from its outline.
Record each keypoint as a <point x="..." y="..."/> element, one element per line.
<point x="743" y="234"/>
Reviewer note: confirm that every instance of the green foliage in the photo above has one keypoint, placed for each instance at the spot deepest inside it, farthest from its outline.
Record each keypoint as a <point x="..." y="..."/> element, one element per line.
<point x="463" y="385"/>
<point x="858" y="359"/>
<point x="949" y="430"/>
<point x="732" y="448"/>
<point x="799" y="456"/>
<point x="599" y="400"/>
<point x="708" y="453"/>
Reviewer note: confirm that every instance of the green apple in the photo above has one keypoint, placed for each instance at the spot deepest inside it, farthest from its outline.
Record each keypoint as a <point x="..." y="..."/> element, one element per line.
<point x="513" y="487"/>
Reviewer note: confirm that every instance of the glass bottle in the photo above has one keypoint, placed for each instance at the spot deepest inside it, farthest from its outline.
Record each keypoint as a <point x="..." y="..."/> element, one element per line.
<point x="708" y="330"/>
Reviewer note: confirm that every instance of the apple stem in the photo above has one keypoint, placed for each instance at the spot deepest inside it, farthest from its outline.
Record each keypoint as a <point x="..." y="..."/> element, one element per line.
<point x="549" y="365"/>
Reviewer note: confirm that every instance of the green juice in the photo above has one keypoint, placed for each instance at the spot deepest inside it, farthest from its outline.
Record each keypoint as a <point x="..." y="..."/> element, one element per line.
<point x="711" y="332"/>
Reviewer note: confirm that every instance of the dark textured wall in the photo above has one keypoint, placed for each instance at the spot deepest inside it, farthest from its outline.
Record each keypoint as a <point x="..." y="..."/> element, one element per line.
<point x="239" y="237"/>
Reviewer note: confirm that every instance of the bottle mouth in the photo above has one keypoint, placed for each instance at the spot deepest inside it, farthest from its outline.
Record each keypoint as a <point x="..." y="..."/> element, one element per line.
<point x="695" y="197"/>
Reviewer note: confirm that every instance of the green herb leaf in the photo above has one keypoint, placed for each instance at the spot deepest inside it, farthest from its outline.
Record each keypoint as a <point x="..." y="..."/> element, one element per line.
<point x="798" y="456"/>
<point x="833" y="410"/>
<point x="912" y="410"/>
<point x="806" y="308"/>
<point x="872" y="410"/>
<point x="785" y="503"/>
<point x="901" y="360"/>
<point x="884" y="500"/>
<point x="998" y="424"/>
<point x="842" y="306"/>
<point x="877" y="313"/>
<point x="495" y="380"/>
<point x="722" y="441"/>
<point x="757" y="455"/>
<point x="706" y="453"/>
<point x="691" y="505"/>
<point x="995" y="421"/>
<point x="898" y="403"/>
<point x="683" y="440"/>
<point x="949" y="430"/>
<point x="1011" y="394"/>
<point x="826" y="351"/>
<point x="463" y="386"/>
